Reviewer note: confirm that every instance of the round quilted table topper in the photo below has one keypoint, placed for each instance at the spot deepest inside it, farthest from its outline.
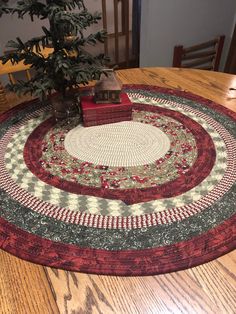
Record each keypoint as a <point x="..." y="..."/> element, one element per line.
<point x="152" y="195"/>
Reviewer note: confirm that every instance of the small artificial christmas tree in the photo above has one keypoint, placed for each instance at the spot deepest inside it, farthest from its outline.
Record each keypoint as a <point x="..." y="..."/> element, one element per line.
<point x="69" y="64"/>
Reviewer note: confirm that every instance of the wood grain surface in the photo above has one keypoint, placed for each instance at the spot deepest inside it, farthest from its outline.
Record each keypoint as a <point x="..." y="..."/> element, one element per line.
<point x="24" y="287"/>
<point x="209" y="288"/>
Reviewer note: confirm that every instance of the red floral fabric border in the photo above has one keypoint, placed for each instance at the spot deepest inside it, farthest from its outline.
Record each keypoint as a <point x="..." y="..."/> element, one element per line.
<point x="194" y="176"/>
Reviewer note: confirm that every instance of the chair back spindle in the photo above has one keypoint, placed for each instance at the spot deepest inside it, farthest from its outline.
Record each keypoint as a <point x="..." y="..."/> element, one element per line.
<point x="3" y="98"/>
<point x="205" y="56"/>
<point x="121" y="35"/>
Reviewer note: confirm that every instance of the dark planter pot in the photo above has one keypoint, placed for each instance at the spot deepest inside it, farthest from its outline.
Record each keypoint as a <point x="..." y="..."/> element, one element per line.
<point x="66" y="107"/>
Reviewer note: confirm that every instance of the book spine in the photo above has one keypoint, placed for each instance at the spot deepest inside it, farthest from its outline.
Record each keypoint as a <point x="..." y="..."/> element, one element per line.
<point x="107" y="109"/>
<point x="106" y="121"/>
<point x="107" y="115"/>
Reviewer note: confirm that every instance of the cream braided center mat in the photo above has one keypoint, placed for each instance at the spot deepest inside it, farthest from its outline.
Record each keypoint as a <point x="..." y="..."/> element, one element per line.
<point x="120" y="144"/>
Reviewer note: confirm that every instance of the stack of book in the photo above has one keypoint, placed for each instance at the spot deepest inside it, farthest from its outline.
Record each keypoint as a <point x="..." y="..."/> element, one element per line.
<point x="97" y="114"/>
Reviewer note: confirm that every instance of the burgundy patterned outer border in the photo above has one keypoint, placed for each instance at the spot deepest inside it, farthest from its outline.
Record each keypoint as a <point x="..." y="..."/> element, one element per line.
<point x="201" y="249"/>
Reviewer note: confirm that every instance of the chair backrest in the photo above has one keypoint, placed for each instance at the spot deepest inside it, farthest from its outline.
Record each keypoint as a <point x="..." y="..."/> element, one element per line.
<point x="9" y="69"/>
<point x="7" y="100"/>
<point x="120" y="38"/>
<point x="205" y="56"/>
<point x="3" y="99"/>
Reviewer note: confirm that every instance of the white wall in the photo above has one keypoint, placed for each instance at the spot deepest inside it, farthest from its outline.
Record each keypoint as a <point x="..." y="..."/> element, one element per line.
<point x="166" y="23"/>
<point x="12" y="27"/>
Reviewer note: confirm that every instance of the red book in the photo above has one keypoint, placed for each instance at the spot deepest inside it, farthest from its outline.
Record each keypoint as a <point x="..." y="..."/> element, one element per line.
<point x="90" y="107"/>
<point x="107" y="121"/>
<point x="106" y="115"/>
<point x="97" y="114"/>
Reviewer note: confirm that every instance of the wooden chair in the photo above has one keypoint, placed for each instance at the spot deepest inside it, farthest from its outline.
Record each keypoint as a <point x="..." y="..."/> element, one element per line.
<point x="10" y="99"/>
<point x="3" y="99"/>
<point x="120" y="40"/>
<point x="205" y="56"/>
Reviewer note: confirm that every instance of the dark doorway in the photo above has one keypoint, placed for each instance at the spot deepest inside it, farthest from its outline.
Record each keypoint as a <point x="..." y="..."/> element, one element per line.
<point x="230" y="66"/>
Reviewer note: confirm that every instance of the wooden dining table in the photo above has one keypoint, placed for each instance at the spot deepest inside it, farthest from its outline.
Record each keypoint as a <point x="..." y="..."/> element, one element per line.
<point x="209" y="288"/>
